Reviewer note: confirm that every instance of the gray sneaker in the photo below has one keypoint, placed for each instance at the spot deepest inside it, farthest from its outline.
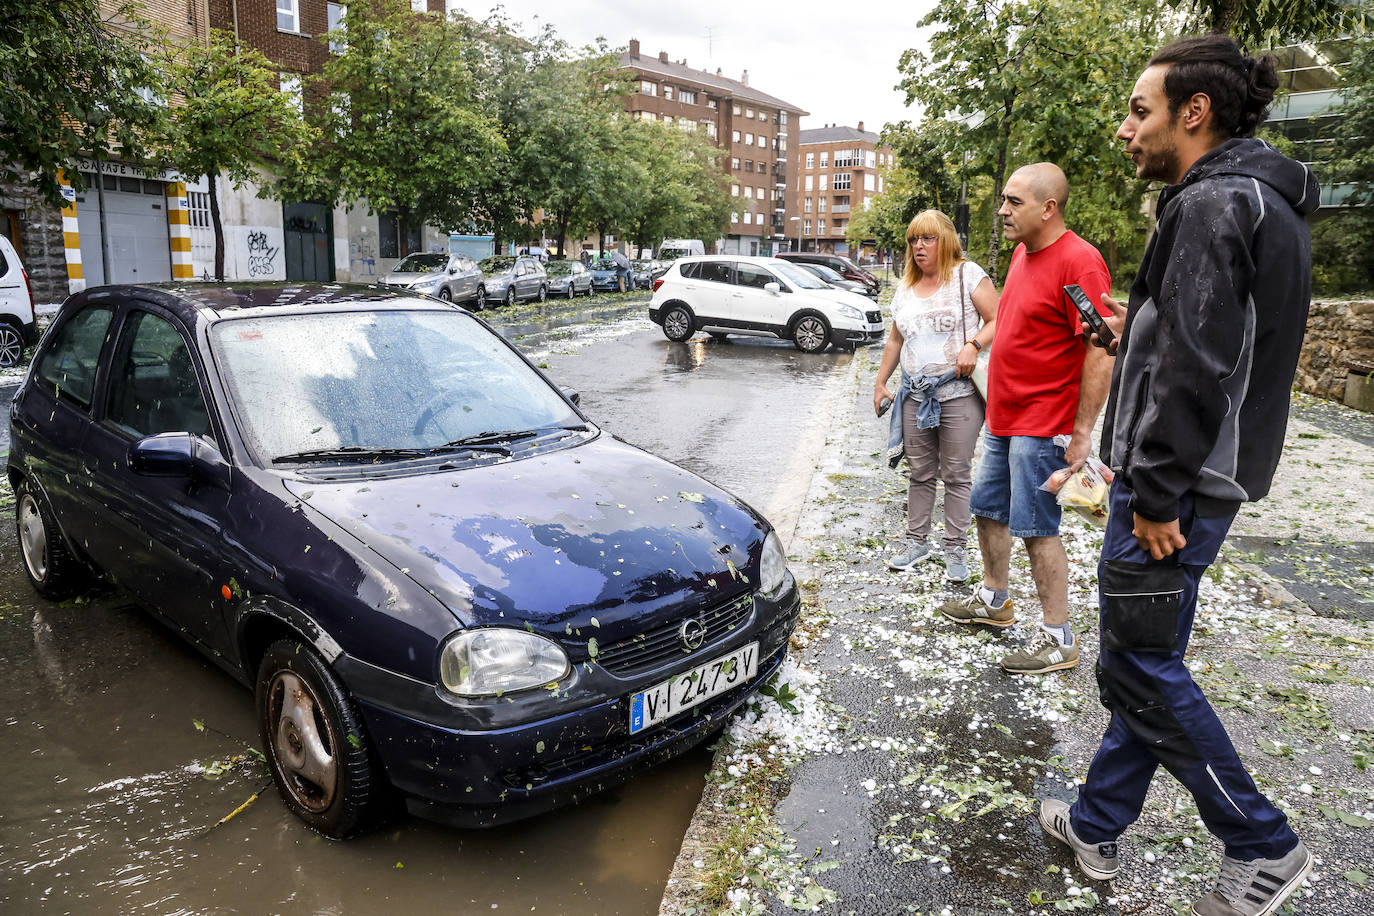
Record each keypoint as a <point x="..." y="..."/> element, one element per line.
<point x="1097" y="860"/>
<point x="973" y="610"/>
<point x="914" y="552"/>
<point x="1255" y="888"/>
<point x="1041" y="655"/>
<point x="956" y="564"/>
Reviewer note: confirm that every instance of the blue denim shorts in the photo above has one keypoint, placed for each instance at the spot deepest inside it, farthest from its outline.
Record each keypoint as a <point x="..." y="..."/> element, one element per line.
<point x="1006" y="487"/>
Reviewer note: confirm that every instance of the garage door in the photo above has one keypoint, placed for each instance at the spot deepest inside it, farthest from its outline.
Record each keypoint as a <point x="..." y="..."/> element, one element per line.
<point x="136" y="219"/>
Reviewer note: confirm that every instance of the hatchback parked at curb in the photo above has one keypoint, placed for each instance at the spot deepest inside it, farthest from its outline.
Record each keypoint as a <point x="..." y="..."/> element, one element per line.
<point x="18" y="323"/>
<point x="451" y="277"/>
<point x="507" y="280"/>
<point x="568" y="278"/>
<point x="442" y="582"/>
<point x="763" y="297"/>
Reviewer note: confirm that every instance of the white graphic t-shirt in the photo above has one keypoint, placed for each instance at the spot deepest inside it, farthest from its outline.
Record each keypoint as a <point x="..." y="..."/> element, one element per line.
<point x="932" y="331"/>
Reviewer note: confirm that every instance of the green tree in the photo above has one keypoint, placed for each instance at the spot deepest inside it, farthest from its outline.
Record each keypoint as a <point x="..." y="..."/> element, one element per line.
<point x="920" y="180"/>
<point x="1266" y="23"/>
<point x="397" y="119"/>
<point x="228" y="118"/>
<point x="72" y="83"/>
<point x="684" y="192"/>
<point x="1343" y="243"/>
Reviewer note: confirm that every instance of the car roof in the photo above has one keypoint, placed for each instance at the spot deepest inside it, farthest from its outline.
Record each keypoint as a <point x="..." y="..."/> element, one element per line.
<point x="745" y="258"/>
<point x="191" y="301"/>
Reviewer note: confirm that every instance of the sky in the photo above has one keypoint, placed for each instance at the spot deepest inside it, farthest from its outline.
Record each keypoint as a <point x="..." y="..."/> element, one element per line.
<point x="835" y="61"/>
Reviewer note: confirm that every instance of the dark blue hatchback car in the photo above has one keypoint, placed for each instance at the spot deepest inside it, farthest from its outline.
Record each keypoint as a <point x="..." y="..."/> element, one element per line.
<point x="441" y="580"/>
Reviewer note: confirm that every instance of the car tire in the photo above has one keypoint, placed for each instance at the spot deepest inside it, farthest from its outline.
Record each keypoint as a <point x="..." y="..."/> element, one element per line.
<point x="11" y="344"/>
<point x="510" y="296"/>
<point x="481" y="299"/>
<point x="677" y="324"/>
<point x="811" y="333"/>
<point x="543" y="293"/>
<point x="317" y="750"/>
<point x="445" y="294"/>
<point x="52" y="569"/>
<point x="572" y="290"/>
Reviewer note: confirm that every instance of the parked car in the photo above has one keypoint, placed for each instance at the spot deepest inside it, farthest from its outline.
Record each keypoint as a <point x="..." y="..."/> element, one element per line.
<point x="642" y="269"/>
<point x="441" y="580"/>
<point x="509" y="279"/>
<point x="18" y="323"/>
<point x="568" y="278"/>
<point x="838" y="263"/>
<point x="607" y="274"/>
<point x="833" y="279"/>
<point x="725" y="294"/>
<point x="451" y="277"/>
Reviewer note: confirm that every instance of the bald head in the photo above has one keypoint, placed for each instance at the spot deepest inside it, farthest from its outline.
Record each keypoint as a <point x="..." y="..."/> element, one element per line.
<point x="1046" y="181"/>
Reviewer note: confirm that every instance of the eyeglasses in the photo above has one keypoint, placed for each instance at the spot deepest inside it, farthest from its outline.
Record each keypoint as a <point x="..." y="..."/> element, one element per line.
<point x="928" y="239"/>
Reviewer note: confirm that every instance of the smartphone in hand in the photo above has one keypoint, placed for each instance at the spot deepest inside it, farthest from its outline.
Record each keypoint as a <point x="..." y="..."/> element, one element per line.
<point x="884" y="406"/>
<point x="1091" y="317"/>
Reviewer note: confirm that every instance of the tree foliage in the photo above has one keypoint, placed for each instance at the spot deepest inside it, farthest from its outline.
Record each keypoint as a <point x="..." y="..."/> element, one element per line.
<point x="228" y="118"/>
<point x="684" y="193"/>
<point x="72" y="84"/>
<point x="1343" y="244"/>
<point x="398" y="125"/>
<point x="922" y="179"/>
<point x="1268" y="23"/>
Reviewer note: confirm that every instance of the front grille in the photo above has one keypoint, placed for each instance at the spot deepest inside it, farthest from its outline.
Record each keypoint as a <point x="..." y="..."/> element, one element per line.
<point x="661" y="644"/>
<point x="874" y="316"/>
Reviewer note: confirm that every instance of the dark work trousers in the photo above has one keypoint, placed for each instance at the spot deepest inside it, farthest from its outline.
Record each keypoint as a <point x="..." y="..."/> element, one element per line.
<point x="1159" y="715"/>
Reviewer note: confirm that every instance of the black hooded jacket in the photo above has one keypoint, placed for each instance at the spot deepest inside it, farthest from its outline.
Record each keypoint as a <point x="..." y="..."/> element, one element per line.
<point x="1200" y="390"/>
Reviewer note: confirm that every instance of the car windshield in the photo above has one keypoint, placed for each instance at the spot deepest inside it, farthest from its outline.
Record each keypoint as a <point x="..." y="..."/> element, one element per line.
<point x="420" y="263"/>
<point x="558" y="268"/>
<point x="800" y="277"/>
<point x="392" y="383"/>
<point x="640" y="264"/>
<point x="497" y="264"/>
<point x="603" y="264"/>
<point x="825" y="273"/>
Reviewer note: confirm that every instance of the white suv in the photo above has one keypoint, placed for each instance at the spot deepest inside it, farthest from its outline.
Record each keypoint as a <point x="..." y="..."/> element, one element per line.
<point x="766" y="297"/>
<point x="18" y="328"/>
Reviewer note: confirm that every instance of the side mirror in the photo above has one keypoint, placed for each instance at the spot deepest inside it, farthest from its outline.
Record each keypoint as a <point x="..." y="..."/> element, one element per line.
<point x="179" y="455"/>
<point x="453" y="269"/>
<point x="773" y="288"/>
<point x="571" y="394"/>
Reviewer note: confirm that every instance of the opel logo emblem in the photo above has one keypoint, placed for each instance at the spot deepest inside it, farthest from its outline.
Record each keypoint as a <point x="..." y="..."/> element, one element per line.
<point x="692" y="633"/>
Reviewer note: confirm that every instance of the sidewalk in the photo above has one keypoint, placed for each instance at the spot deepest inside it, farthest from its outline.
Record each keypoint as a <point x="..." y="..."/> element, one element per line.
<point x="907" y="778"/>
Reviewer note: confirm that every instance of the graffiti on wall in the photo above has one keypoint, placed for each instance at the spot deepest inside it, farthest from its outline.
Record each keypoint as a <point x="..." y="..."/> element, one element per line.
<point x="261" y="255"/>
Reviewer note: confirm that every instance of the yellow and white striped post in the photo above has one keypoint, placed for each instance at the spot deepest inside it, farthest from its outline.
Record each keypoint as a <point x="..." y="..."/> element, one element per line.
<point x="71" y="236"/>
<point x="179" y="231"/>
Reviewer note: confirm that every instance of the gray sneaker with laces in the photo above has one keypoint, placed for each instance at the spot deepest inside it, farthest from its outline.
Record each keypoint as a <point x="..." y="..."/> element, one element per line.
<point x="1255" y="888"/>
<point x="973" y="610"/>
<point x="956" y="564"/>
<point x="1098" y="860"/>
<point x="1041" y="655"/>
<point x="912" y="553"/>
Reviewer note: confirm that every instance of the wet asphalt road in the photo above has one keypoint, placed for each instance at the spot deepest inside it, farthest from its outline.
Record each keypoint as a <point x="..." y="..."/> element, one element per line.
<point x="106" y="807"/>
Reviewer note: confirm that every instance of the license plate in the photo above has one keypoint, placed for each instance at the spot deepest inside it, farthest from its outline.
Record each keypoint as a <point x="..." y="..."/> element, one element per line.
<point x="697" y="685"/>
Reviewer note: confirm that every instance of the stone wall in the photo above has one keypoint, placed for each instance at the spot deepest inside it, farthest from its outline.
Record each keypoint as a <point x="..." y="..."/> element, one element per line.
<point x="40" y="242"/>
<point x="1339" y="333"/>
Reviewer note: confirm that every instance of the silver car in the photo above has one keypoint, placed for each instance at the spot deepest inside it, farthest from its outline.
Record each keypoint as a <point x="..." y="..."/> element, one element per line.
<point x="451" y="277"/>
<point x="568" y="278"/>
<point x="507" y="279"/>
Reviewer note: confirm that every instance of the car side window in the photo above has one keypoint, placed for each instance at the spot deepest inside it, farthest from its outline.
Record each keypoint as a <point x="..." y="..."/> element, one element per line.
<point x="716" y="271"/>
<point x="68" y="366"/>
<point x="690" y="271"/>
<point x="753" y="276"/>
<point x="153" y="383"/>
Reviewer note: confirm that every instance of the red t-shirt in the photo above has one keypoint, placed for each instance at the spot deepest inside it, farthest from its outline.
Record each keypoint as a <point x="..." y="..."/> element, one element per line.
<point x="1037" y="354"/>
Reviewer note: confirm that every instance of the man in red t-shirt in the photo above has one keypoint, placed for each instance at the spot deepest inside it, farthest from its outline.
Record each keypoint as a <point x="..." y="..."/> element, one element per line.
<point x="1043" y="381"/>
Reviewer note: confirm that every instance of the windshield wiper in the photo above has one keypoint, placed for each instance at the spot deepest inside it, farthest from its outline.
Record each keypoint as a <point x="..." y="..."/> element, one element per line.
<point x="353" y="453"/>
<point x="500" y="441"/>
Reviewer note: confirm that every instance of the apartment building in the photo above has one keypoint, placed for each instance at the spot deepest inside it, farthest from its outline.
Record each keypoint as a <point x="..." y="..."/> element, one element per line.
<point x="757" y="131"/>
<point x="841" y="167"/>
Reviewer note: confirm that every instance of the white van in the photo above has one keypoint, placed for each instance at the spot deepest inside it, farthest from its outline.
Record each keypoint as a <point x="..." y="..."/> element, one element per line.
<point x="18" y="327"/>
<point x="671" y="250"/>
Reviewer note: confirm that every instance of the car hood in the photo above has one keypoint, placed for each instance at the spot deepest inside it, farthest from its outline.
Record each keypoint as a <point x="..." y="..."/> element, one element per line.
<point x="843" y="297"/>
<point x="407" y="278"/>
<point x="590" y="538"/>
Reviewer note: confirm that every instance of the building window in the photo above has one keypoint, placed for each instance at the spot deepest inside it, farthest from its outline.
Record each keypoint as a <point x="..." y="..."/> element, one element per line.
<point x="198" y="205"/>
<point x="841" y="182"/>
<point x="748" y="112"/>
<point x="288" y="15"/>
<point x="736" y="110"/>
<point x="869" y="159"/>
<point x="806" y="205"/>
<point x="806" y="227"/>
<point x="734" y="136"/>
<point x="820" y="227"/>
<point x="842" y="160"/>
<point x="749" y="165"/>
<point x="880" y="184"/>
<point x="734" y="163"/>
<point x="782" y="145"/>
<point x="810" y="160"/>
<point x="734" y="190"/>
<point x="389" y="234"/>
<point x="711" y="103"/>
<point x="825" y="159"/>
<point x="807" y="179"/>
<point x="869" y="181"/>
<point x="291" y="88"/>
<point x="710" y="129"/>
<point x="668" y="92"/>
<point x="782" y="119"/>
<point x="748" y="139"/>
<point x="821" y="205"/>
<point x="687" y="97"/>
<point x="648" y="88"/>
<point x="336" y="13"/>
<point x="418" y="6"/>
<point x="821" y="184"/>
<point x="734" y="217"/>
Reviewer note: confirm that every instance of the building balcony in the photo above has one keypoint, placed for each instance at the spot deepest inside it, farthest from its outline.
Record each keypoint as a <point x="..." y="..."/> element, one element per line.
<point x="839" y="208"/>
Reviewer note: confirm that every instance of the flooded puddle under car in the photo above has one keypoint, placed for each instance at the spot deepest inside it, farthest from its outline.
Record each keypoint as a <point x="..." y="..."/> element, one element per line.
<point x="442" y="581"/>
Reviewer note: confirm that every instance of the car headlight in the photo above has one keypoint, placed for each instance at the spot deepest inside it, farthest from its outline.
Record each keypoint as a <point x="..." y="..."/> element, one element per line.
<point x="772" y="564"/>
<point x="850" y="311"/>
<point x="494" y="660"/>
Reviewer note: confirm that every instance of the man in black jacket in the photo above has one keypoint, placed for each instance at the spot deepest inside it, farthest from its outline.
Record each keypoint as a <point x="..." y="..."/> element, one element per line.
<point x="1194" y="427"/>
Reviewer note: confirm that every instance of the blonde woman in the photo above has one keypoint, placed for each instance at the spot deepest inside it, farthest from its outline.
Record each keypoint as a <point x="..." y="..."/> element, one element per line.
<point x="943" y="314"/>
